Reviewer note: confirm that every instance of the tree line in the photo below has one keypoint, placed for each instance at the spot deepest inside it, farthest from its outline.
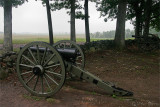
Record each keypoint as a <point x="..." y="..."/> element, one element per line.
<point x="111" y="34"/>
<point x="144" y="14"/>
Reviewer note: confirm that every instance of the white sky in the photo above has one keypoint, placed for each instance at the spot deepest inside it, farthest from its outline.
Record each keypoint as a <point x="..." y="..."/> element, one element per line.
<point x="31" y="17"/>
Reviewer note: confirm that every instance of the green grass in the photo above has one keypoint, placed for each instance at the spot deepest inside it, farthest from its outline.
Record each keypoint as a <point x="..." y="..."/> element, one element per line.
<point x="50" y="100"/>
<point x="33" y="97"/>
<point x="27" y="40"/>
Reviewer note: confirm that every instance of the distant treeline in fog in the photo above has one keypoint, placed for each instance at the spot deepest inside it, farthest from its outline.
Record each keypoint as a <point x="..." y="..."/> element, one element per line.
<point x="105" y="34"/>
<point x="111" y="34"/>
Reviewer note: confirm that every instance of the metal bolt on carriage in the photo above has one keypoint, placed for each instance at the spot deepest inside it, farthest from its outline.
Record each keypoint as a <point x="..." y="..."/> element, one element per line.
<point x="42" y="68"/>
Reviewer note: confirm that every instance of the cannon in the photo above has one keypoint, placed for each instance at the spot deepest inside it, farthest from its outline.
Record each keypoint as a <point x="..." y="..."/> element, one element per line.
<point x="43" y="68"/>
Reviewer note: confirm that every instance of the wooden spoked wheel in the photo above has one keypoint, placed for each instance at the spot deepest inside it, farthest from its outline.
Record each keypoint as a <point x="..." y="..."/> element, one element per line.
<point x="67" y="44"/>
<point x="40" y="69"/>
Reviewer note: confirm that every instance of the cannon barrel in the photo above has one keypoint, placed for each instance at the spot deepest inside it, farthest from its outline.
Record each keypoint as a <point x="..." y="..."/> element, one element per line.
<point x="69" y="54"/>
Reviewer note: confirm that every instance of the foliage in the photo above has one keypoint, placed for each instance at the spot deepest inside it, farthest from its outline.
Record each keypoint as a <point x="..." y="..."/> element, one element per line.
<point x="60" y="4"/>
<point x="15" y="3"/>
<point x="155" y="18"/>
<point x="109" y="9"/>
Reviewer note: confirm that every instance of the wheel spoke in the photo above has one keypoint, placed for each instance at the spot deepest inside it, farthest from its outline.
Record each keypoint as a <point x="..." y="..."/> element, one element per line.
<point x="30" y="79"/>
<point x="78" y="63"/>
<point x="57" y="74"/>
<point x="58" y="46"/>
<point x="24" y="65"/>
<point x="44" y="55"/>
<point x="36" y="83"/>
<point x="38" y="57"/>
<point x="70" y="45"/>
<point x="51" y="66"/>
<point x="26" y="72"/>
<point x="49" y="60"/>
<point x="32" y="55"/>
<point x="42" y="84"/>
<point x="51" y="79"/>
<point x="47" y="83"/>
<point x="64" y="45"/>
<point x="28" y="59"/>
<point x="55" y="68"/>
<point x="78" y="60"/>
<point x="79" y="57"/>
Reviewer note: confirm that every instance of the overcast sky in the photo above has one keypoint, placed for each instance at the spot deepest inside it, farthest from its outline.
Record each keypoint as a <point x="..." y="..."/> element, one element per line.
<point x="32" y="17"/>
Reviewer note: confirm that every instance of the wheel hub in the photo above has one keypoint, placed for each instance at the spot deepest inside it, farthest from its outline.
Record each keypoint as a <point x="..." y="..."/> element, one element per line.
<point x="38" y="70"/>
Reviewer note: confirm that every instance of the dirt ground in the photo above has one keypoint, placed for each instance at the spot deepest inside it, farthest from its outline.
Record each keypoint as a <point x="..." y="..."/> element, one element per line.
<point x="136" y="72"/>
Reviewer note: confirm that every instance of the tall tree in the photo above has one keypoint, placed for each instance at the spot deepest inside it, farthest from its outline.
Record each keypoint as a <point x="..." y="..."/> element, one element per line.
<point x="138" y="21"/>
<point x="87" y="32"/>
<point x="136" y="11"/>
<point x="147" y="14"/>
<point x="7" y="6"/>
<point x="7" y="44"/>
<point x="120" y="27"/>
<point x="72" y="5"/>
<point x="50" y="28"/>
<point x="73" y="29"/>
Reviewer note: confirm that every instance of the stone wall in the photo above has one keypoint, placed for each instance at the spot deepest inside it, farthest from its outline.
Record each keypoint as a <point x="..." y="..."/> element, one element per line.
<point x="7" y="63"/>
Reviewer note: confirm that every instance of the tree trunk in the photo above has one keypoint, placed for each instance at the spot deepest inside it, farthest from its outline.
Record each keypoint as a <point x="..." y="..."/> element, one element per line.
<point x="73" y="30"/>
<point x="7" y="44"/>
<point x="120" y="27"/>
<point x="51" y="41"/>
<point x="138" y="6"/>
<point x="138" y="19"/>
<point x="147" y="13"/>
<point x="138" y="30"/>
<point x="87" y="22"/>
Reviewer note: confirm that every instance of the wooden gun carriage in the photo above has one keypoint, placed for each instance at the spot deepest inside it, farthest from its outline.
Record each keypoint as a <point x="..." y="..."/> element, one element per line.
<point x="42" y="68"/>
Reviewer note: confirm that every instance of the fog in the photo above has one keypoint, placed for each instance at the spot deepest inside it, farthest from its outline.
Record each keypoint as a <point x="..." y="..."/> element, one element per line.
<point x="31" y="17"/>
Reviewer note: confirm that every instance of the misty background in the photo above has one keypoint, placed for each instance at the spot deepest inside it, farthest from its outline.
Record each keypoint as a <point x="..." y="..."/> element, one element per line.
<point x="31" y="17"/>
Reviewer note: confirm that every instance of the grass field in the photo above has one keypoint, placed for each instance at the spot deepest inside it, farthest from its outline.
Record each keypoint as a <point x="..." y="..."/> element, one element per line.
<point x="23" y="39"/>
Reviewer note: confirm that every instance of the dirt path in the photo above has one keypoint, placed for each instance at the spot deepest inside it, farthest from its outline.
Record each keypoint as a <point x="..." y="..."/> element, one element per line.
<point x="135" y="72"/>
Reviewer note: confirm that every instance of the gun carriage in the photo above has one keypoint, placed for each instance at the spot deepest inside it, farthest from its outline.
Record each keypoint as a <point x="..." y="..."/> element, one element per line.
<point x="42" y="68"/>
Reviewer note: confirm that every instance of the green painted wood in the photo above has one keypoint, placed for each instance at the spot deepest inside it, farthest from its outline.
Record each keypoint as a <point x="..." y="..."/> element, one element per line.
<point x="32" y="69"/>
